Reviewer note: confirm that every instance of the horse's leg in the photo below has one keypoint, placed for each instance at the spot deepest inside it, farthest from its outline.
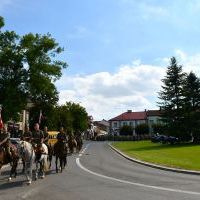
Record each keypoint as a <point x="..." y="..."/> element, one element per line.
<point x="13" y="170"/>
<point x="30" y="173"/>
<point x="64" y="160"/>
<point x="61" y="163"/>
<point x="15" y="164"/>
<point x="36" y="170"/>
<point x="42" y="168"/>
<point x="11" y="173"/>
<point x="56" y="164"/>
<point x="23" y="162"/>
<point x="50" y="159"/>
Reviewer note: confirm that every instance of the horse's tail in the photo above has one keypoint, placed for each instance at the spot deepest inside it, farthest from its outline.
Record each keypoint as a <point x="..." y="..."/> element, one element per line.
<point x="46" y="166"/>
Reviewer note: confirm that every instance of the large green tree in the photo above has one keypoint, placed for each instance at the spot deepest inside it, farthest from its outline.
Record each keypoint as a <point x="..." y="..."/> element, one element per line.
<point x="28" y="71"/>
<point x="12" y="75"/>
<point x="191" y="90"/>
<point x="171" y="98"/>
<point x="42" y="68"/>
<point x="79" y="116"/>
<point x="72" y="116"/>
<point x="192" y="105"/>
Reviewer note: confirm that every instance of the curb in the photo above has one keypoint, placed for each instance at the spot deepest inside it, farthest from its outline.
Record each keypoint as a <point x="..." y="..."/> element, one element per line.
<point x="154" y="165"/>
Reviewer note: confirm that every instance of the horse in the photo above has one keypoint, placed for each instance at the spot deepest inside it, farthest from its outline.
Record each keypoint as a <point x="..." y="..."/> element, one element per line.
<point x="79" y="143"/>
<point x="50" y="154"/>
<point x="60" y="152"/>
<point x="13" y="159"/>
<point x="41" y="154"/>
<point x="72" y="143"/>
<point x="27" y="154"/>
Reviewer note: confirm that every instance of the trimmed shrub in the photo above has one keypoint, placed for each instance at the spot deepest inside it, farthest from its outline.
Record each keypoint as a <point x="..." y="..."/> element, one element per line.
<point x="142" y="129"/>
<point x="126" y="130"/>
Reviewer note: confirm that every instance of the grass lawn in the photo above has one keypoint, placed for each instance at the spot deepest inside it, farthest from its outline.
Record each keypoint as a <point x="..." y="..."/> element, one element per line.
<point x="185" y="156"/>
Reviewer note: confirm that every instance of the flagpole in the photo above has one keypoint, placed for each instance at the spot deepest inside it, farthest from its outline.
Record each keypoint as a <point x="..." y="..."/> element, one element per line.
<point x="40" y="117"/>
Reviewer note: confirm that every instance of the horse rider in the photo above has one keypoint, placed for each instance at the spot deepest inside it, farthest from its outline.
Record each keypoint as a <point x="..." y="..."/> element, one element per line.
<point x="37" y="135"/>
<point x="27" y="135"/>
<point x="78" y="137"/>
<point x="62" y="137"/>
<point x="5" y="142"/>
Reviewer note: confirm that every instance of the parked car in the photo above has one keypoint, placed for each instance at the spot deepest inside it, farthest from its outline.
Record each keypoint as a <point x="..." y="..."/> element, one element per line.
<point x="164" y="139"/>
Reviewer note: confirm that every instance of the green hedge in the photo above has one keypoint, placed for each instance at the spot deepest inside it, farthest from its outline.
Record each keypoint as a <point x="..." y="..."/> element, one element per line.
<point x="122" y="138"/>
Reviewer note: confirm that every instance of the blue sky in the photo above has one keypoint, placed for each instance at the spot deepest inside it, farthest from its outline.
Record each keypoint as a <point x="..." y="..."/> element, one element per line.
<point x="117" y="50"/>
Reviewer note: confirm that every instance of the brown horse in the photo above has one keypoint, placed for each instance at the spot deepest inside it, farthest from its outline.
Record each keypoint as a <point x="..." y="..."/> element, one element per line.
<point x="13" y="159"/>
<point x="60" y="152"/>
<point x="72" y="143"/>
<point x="79" y="142"/>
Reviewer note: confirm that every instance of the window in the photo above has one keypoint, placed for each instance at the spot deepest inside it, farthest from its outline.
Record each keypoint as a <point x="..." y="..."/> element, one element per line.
<point x="124" y="123"/>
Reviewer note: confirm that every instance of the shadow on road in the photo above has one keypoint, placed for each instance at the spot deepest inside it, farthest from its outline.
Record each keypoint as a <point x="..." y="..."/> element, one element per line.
<point x="10" y="185"/>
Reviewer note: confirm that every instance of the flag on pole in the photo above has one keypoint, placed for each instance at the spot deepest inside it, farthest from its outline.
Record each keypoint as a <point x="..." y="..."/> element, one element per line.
<point x="40" y="117"/>
<point x="1" y="121"/>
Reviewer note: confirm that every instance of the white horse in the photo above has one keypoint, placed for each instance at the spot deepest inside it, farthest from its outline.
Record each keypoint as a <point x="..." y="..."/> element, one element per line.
<point x="28" y="155"/>
<point x="42" y="159"/>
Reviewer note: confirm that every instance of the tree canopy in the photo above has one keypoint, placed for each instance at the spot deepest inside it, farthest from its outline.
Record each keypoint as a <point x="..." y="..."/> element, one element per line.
<point x="28" y="71"/>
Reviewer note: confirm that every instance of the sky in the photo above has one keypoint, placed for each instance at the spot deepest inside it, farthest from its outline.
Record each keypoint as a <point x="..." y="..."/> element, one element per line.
<point x="117" y="50"/>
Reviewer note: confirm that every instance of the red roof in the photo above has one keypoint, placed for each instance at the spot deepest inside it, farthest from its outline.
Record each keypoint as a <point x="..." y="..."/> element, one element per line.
<point x="154" y="113"/>
<point x="130" y="116"/>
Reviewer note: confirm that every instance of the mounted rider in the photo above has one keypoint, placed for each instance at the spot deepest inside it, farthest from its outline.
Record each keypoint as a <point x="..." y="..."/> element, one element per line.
<point x="62" y="139"/>
<point x="27" y="135"/>
<point x="5" y="143"/>
<point x="62" y="136"/>
<point x="37" y="135"/>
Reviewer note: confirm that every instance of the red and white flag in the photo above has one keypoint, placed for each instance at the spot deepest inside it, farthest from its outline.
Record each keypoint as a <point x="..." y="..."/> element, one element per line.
<point x="1" y="121"/>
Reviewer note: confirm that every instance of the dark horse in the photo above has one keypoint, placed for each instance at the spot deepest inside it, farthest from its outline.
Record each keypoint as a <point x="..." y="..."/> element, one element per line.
<point x="79" y="142"/>
<point x="72" y="144"/>
<point x="60" y="152"/>
<point x="50" y="154"/>
<point x="13" y="159"/>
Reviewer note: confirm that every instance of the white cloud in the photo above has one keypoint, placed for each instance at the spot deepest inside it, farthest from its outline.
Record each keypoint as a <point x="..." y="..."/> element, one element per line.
<point x="189" y="62"/>
<point x="105" y="95"/>
<point x="133" y="86"/>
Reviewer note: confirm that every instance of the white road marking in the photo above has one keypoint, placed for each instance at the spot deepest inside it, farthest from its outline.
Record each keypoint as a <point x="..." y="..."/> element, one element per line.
<point x="132" y="183"/>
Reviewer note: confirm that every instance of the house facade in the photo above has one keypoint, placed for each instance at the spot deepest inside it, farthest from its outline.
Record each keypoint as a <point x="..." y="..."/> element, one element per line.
<point x="133" y="119"/>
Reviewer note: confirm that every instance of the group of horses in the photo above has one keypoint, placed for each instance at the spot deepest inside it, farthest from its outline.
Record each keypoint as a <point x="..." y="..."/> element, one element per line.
<point x="38" y="158"/>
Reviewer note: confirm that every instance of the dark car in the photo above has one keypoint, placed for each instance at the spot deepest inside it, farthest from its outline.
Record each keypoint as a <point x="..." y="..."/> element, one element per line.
<point x="164" y="139"/>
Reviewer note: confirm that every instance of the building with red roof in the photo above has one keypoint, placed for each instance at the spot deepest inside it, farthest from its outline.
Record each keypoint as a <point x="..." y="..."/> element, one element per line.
<point x="135" y="118"/>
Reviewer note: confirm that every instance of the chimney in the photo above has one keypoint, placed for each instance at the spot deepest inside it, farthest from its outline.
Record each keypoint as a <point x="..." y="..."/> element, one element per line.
<point x="129" y="111"/>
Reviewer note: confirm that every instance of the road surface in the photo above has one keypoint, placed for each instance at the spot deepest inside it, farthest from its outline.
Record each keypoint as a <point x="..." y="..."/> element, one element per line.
<point x="99" y="173"/>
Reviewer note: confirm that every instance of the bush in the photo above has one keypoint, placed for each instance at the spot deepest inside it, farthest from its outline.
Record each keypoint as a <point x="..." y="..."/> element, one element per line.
<point x="142" y="129"/>
<point x="158" y="128"/>
<point x="126" y="130"/>
<point x="121" y="138"/>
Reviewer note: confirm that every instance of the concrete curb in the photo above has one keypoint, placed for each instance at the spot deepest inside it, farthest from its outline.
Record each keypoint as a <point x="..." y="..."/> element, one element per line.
<point x="154" y="165"/>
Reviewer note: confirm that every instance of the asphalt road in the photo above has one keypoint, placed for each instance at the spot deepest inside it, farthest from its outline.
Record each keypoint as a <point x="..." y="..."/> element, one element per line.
<point x="101" y="174"/>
